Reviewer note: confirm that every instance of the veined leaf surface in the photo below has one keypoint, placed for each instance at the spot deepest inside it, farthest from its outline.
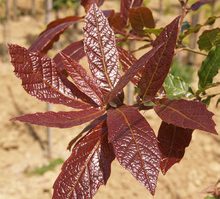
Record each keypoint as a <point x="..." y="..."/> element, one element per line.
<point x="127" y="60"/>
<point x="87" y="3"/>
<point x="175" y="87"/>
<point x="88" y="167"/>
<point x="135" y="144"/>
<point x="101" y="49"/>
<point x="186" y="114"/>
<point x="153" y="76"/>
<point x="41" y="79"/>
<point x="75" y="50"/>
<point x="209" y="39"/>
<point x="139" y="65"/>
<point x="61" y="119"/>
<point x="82" y="80"/>
<point x="209" y="68"/>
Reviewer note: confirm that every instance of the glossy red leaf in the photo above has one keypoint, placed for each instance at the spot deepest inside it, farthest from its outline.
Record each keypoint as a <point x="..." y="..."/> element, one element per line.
<point x="140" y="18"/>
<point x="52" y="33"/>
<point x="186" y="114"/>
<point x="135" y="144"/>
<point x="139" y="65"/>
<point x="61" y="119"/>
<point x="154" y="75"/>
<point x="126" y="5"/>
<point x="89" y="127"/>
<point x="41" y="79"/>
<point x="127" y="60"/>
<point x="75" y="50"/>
<point x="82" y="80"/>
<point x="87" y="3"/>
<point x="101" y="49"/>
<point x="88" y="167"/>
<point x="172" y="143"/>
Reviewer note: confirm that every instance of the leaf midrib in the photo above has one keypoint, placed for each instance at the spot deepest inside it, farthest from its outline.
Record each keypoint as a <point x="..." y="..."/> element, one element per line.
<point x="86" y="163"/>
<point x="183" y="115"/>
<point x="88" y="81"/>
<point x="102" y="52"/>
<point x="210" y="68"/>
<point x="157" y="64"/>
<point x="45" y="82"/>
<point x="138" y="149"/>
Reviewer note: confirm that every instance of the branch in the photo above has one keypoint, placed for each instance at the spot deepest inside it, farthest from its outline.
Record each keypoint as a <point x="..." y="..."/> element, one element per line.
<point x="193" y="51"/>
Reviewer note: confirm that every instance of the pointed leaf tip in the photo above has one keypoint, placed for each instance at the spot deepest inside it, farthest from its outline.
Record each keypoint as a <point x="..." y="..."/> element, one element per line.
<point x="87" y="4"/>
<point x="42" y="79"/>
<point x="133" y="72"/>
<point x="135" y="145"/>
<point x="186" y="114"/>
<point x="88" y="167"/>
<point x="52" y="33"/>
<point x="61" y="119"/>
<point x="154" y="75"/>
<point x="172" y="143"/>
<point x="100" y="48"/>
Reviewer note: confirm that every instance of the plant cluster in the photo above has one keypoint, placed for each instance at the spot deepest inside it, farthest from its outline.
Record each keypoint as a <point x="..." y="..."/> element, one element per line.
<point x="116" y="129"/>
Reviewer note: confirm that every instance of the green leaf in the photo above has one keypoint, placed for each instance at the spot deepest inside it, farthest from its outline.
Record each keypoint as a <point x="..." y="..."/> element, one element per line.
<point x="155" y="31"/>
<point x="175" y="87"/>
<point x="209" y="39"/>
<point x="209" y="68"/>
<point x="211" y="20"/>
<point x="184" y="71"/>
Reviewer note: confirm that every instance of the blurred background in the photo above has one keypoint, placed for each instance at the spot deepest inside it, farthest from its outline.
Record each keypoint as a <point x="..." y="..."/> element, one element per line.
<point x="31" y="156"/>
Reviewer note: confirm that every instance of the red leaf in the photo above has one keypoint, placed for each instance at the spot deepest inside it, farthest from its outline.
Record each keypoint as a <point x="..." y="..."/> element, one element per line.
<point x="135" y="144"/>
<point x="46" y="39"/>
<point x="144" y="61"/>
<point x="82" y="80"/>
<point x="61" y="119"/>
<point x="88" y="167"/>
<point x="172" y="143"/>
<point x="75" y="50"/>
<point x="186" y="114"/>
<point x="116" y="22"/>
<point x="127" y="60"/>
<point x="91" y="125"/>
<point x="126" y="5"/>
<point x="154" y="75"/>
<point x="87" y="3"/>
<point x="141" y="17"/>
<point x="101" y="49"/>
<point x="40" y="78"/>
